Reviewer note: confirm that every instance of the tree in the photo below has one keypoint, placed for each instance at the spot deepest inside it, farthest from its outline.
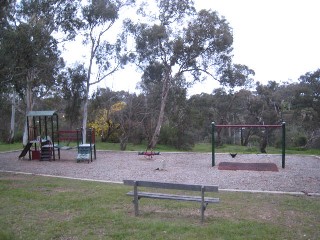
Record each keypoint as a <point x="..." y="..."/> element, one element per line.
<point x="98" y="18"/>
<point x="31" y="48"/>
<point x="177" y="129"/>
<point x="265" y="108"/>
<point x="308" y="100"/>
<point x="72" y="91"/>
<point x="6" y="16"/>
<point x="183" y="42"/>
<point x="201" y="113"/>
<point x="236" y="75"/>
<point x="312" y="81"/>
<point x="129" y="116"/>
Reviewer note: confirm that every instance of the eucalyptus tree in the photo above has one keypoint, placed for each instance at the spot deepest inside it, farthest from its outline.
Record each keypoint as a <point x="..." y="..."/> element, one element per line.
<point x="35" y="42"/>
<point x="307" y="104"/>
<point x="71" y="89"/>
<point x="29" y="46"/>
<point x="265" y="108"/>
<point x="98" y="18"/>
<point x="129" y="118"/>
<point x="6" y="17"/>
<point x="183" y="42"/>
<point x="311" y="80"/>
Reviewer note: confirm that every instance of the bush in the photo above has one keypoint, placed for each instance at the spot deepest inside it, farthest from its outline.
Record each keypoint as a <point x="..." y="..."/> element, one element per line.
<point x="300" y="141"/>
<point x="173" y="137"/>
<point x="278" y="143"/>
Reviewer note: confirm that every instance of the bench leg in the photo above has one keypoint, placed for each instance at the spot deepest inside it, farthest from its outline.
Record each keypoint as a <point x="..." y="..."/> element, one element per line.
<point x="136" y="199"/>
<point x="203" y="208"/>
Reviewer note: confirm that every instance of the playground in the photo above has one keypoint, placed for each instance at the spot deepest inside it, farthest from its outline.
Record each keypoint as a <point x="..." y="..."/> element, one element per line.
<point x="45" y="139"/>
<point x="301" y="174"/>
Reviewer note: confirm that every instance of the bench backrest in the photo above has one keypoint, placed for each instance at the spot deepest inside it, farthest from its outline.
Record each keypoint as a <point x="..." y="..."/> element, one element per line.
<point x="177" y="186"/>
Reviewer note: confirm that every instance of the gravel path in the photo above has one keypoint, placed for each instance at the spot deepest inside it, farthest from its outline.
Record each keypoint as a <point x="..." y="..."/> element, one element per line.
<point x="302" y="173"/>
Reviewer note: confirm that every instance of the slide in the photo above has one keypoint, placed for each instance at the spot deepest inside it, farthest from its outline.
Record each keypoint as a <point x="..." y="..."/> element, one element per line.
<point x="25" y="150"/>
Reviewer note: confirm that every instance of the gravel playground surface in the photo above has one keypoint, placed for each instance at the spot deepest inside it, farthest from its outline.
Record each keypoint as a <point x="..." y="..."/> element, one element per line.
<point x="301" y="173"/>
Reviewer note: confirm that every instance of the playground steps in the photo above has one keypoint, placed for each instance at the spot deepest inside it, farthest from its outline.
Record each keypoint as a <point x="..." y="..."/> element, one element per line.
<point x="46" y="153"/>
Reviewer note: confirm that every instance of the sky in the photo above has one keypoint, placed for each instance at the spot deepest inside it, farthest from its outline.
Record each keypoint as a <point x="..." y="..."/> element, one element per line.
<point x="278" y="39"/>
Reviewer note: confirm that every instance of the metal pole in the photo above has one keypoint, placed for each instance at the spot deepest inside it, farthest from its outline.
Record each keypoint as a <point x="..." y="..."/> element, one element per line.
<point x="283" y="144"/>
<point x="57" y="134"/>
<point x="40" y="127"/>
<point x="46" y="126"/>
<point x="213" y="143"/>
<point x="52" y="138"/>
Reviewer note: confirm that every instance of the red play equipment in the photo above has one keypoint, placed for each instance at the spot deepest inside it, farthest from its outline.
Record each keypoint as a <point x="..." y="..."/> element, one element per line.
<point x="149" y="154"/>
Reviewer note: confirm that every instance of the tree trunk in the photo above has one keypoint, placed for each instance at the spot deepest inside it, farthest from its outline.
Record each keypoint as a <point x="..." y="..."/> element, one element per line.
<point x="86" y="101"/>
<point x="29" y="103"/>
<point x="246" y="137"/>
<point x="13" y="118"/>
<point x="263" y="144"/>
<point x="84" y="120"/>
<point x="165" y="92"/>
<point x="123" y="142"/>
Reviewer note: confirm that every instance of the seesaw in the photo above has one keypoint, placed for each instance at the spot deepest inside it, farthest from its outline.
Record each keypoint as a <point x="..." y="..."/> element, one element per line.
<point x="149" y="154"/>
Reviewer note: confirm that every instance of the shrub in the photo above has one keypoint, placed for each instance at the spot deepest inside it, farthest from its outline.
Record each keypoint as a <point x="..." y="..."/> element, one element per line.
<point x="300" y="141"/>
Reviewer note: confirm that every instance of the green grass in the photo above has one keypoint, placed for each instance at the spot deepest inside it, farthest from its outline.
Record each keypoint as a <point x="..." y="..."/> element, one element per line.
<point x="34" y="207"/>
<point x="200" y="147"/>
<point x="10" y="147"/>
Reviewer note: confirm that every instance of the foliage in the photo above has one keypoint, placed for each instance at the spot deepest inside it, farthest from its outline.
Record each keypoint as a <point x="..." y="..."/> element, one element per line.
<point x="32" y="46"/>
<point x="97" y="19"/>
<point x="104" y="125"/>
<point x="182" y="42"/>
<point x="31" y="59"/>
<point x="71" y="84"/>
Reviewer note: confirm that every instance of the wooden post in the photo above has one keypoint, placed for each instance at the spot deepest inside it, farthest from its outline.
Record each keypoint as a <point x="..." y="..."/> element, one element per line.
<point x="202" y="204"/>
<point x="283" y="145"/>
<point x="213" y="144"/>
<point x="136" y="199"/>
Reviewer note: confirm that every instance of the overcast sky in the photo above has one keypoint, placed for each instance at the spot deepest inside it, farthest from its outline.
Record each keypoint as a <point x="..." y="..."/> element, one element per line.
<point x="278" y="39"/>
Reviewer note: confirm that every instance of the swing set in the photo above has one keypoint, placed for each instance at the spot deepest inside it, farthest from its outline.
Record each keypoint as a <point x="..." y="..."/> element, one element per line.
<point x="283" y="126"/>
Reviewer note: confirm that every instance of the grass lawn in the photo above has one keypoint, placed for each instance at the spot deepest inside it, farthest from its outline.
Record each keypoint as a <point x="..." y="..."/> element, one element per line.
<point x="35" y="207"/>
<point x="199" y="147"/>
<point x="4" y="147"/>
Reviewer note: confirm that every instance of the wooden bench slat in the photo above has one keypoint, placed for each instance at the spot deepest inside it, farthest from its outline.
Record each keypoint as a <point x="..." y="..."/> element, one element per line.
<point x="177" y="186"/>
<point x="174" y="197"/>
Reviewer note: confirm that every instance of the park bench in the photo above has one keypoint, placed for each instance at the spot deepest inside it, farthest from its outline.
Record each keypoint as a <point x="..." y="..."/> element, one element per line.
<point x="177" y="186"/>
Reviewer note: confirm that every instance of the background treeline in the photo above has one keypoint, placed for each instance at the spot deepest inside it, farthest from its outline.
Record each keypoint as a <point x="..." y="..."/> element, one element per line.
<point x="123" y="117"/>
